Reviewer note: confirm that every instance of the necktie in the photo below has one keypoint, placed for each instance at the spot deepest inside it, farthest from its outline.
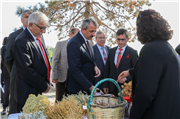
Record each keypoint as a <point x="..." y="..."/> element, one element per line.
<point x="104" y="54"/>
<point x="46" y="59"/>
<point x="118" y="58"/>
<point x="89" y="48"/>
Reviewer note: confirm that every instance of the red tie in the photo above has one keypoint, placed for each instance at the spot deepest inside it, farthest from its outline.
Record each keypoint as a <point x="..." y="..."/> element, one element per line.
<point x="46" y="59"/>
<point x="104" y="54"/>
<point x="118" y="58"/>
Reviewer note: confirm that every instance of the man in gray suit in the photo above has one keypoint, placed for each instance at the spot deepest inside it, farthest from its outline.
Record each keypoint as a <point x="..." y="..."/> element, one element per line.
<point x="100" y="55"/>
<point x="60" y="65"/>
<point x="9" y="61"/>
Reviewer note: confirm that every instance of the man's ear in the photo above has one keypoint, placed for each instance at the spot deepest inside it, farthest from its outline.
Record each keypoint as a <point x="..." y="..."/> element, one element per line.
<point x="83" y="29"/>
<point x="30" y="25"/>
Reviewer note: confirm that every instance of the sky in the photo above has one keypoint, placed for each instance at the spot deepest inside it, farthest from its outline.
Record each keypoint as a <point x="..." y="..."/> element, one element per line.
<point x="169" y="9"/>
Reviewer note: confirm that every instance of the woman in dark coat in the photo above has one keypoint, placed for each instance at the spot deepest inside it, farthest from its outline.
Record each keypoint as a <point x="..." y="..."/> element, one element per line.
<point x="156" y="75"/>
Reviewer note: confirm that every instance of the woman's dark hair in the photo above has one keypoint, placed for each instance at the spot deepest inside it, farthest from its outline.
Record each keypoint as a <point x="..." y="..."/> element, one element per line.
<point x="151" y="26"/>
<point x="5" y="41"/>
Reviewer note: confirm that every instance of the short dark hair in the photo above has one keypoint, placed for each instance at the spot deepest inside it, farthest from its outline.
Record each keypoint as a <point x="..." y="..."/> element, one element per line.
<point x="73" y="30"/>
<point x="5" y="41"/>
<point x="26" y="12"/>
<point x="121" y="32"/>
<point x="151" y="26"/>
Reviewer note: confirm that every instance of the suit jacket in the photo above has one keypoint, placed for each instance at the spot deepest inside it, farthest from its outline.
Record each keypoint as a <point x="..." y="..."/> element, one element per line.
<point x="5" y="73"/>
<point x="156" y="83"/>
<point x="128" y="61"/>
<point x="10" y="65"/>
<point x="81" y="65"/>
<point x="100" y="63"/>
<point x="30" y="67"/>
<point x="59" y="61"/>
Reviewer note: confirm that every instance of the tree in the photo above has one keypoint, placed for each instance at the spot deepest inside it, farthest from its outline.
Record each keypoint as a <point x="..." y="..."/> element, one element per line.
<point x="109" y="14"/>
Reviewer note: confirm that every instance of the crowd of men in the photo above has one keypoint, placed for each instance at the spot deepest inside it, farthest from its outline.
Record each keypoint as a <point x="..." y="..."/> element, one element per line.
<point x="77" y="65"/>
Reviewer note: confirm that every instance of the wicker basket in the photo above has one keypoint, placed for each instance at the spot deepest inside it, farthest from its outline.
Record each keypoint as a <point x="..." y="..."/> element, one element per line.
<point x="115" y="110"/>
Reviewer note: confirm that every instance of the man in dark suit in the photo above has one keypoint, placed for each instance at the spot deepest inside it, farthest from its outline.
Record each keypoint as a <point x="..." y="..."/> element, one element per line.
<point x="82" y="68"/>
<point x="9" y="60"/>
<point x="120" y="58"/>
<point x="32" y="65"/>
<point x="100" y="55"/>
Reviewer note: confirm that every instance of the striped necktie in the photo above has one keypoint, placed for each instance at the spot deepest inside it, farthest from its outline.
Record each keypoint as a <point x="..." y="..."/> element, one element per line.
<point x="118" y="58"/>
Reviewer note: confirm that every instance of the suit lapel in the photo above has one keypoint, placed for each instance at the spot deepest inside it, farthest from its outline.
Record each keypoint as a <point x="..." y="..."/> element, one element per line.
<point x="123" y="58"/>
<point x="98" y="52"/>
<point x="113" y="54"/>
<point x="33" y="42"/>
<point x="83" y="44"/>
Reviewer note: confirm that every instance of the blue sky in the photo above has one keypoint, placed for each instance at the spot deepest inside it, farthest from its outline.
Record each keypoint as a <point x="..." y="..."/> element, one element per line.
<point x="8" y="20"/>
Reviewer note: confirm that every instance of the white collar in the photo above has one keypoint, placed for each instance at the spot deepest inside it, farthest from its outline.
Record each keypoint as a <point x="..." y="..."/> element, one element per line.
<point x="83" y="36"/>
<point x="31" y="33"/>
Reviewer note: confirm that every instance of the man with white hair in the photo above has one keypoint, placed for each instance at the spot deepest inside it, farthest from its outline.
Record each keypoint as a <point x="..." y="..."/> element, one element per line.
<point x="32" y="65"/>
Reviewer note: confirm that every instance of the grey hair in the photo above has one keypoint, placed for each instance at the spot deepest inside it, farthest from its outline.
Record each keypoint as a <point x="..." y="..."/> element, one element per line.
<point x="26" y="12"/>
<point x="86" y="23"/>
<point x="73" y="30"/>
<point x="98" y="32"/>
<point x="37" y="17"/>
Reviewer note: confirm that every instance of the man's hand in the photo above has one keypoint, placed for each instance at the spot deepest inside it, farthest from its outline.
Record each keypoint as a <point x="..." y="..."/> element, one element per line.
<point x="48" y="88"/>
<point x="97" y="71"/>
<point x="121" y="80"/>
<point x="123" y="75"/>
<point x="54" y="80"/>
<point x="91" y="88"/>
<point x="106" y="90"/>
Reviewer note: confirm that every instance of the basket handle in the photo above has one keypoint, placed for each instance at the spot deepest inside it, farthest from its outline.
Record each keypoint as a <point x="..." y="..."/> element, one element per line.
<point x="92" y="92"/>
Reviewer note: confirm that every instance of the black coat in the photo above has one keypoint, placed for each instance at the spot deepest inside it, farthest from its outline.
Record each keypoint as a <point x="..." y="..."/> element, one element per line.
<point x="5" y="73"/>
<point x="128" y="61"/>
<point x="30" y="66"/>
<point x="81" y="72"/>
<point x="10" y="65"/>
<point x="156" y="83"/>
<point x="100" y="64"/>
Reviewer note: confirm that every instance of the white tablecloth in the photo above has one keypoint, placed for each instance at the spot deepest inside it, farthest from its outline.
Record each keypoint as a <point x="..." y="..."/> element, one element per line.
<point x="14" y="116"/>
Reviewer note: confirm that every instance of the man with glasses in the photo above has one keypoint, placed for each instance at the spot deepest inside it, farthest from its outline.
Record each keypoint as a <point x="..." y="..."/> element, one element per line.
<point x="100" y="55"/>
<point x="32" y="64"/>
<point x="120" y="58"/>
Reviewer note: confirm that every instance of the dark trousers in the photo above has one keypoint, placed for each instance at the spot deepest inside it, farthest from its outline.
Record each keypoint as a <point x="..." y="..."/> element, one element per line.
<point x="19" y="108"/>
<point x="6" y="92"/>
<point x="60" y="91"/>
<point x="12" y="101"/>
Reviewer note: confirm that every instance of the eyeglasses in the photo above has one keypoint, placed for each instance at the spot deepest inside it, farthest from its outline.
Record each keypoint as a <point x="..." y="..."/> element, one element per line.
<point x="40" y="27"/>
<point x="101" y="37"/>
<point x="121" y="39"/>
